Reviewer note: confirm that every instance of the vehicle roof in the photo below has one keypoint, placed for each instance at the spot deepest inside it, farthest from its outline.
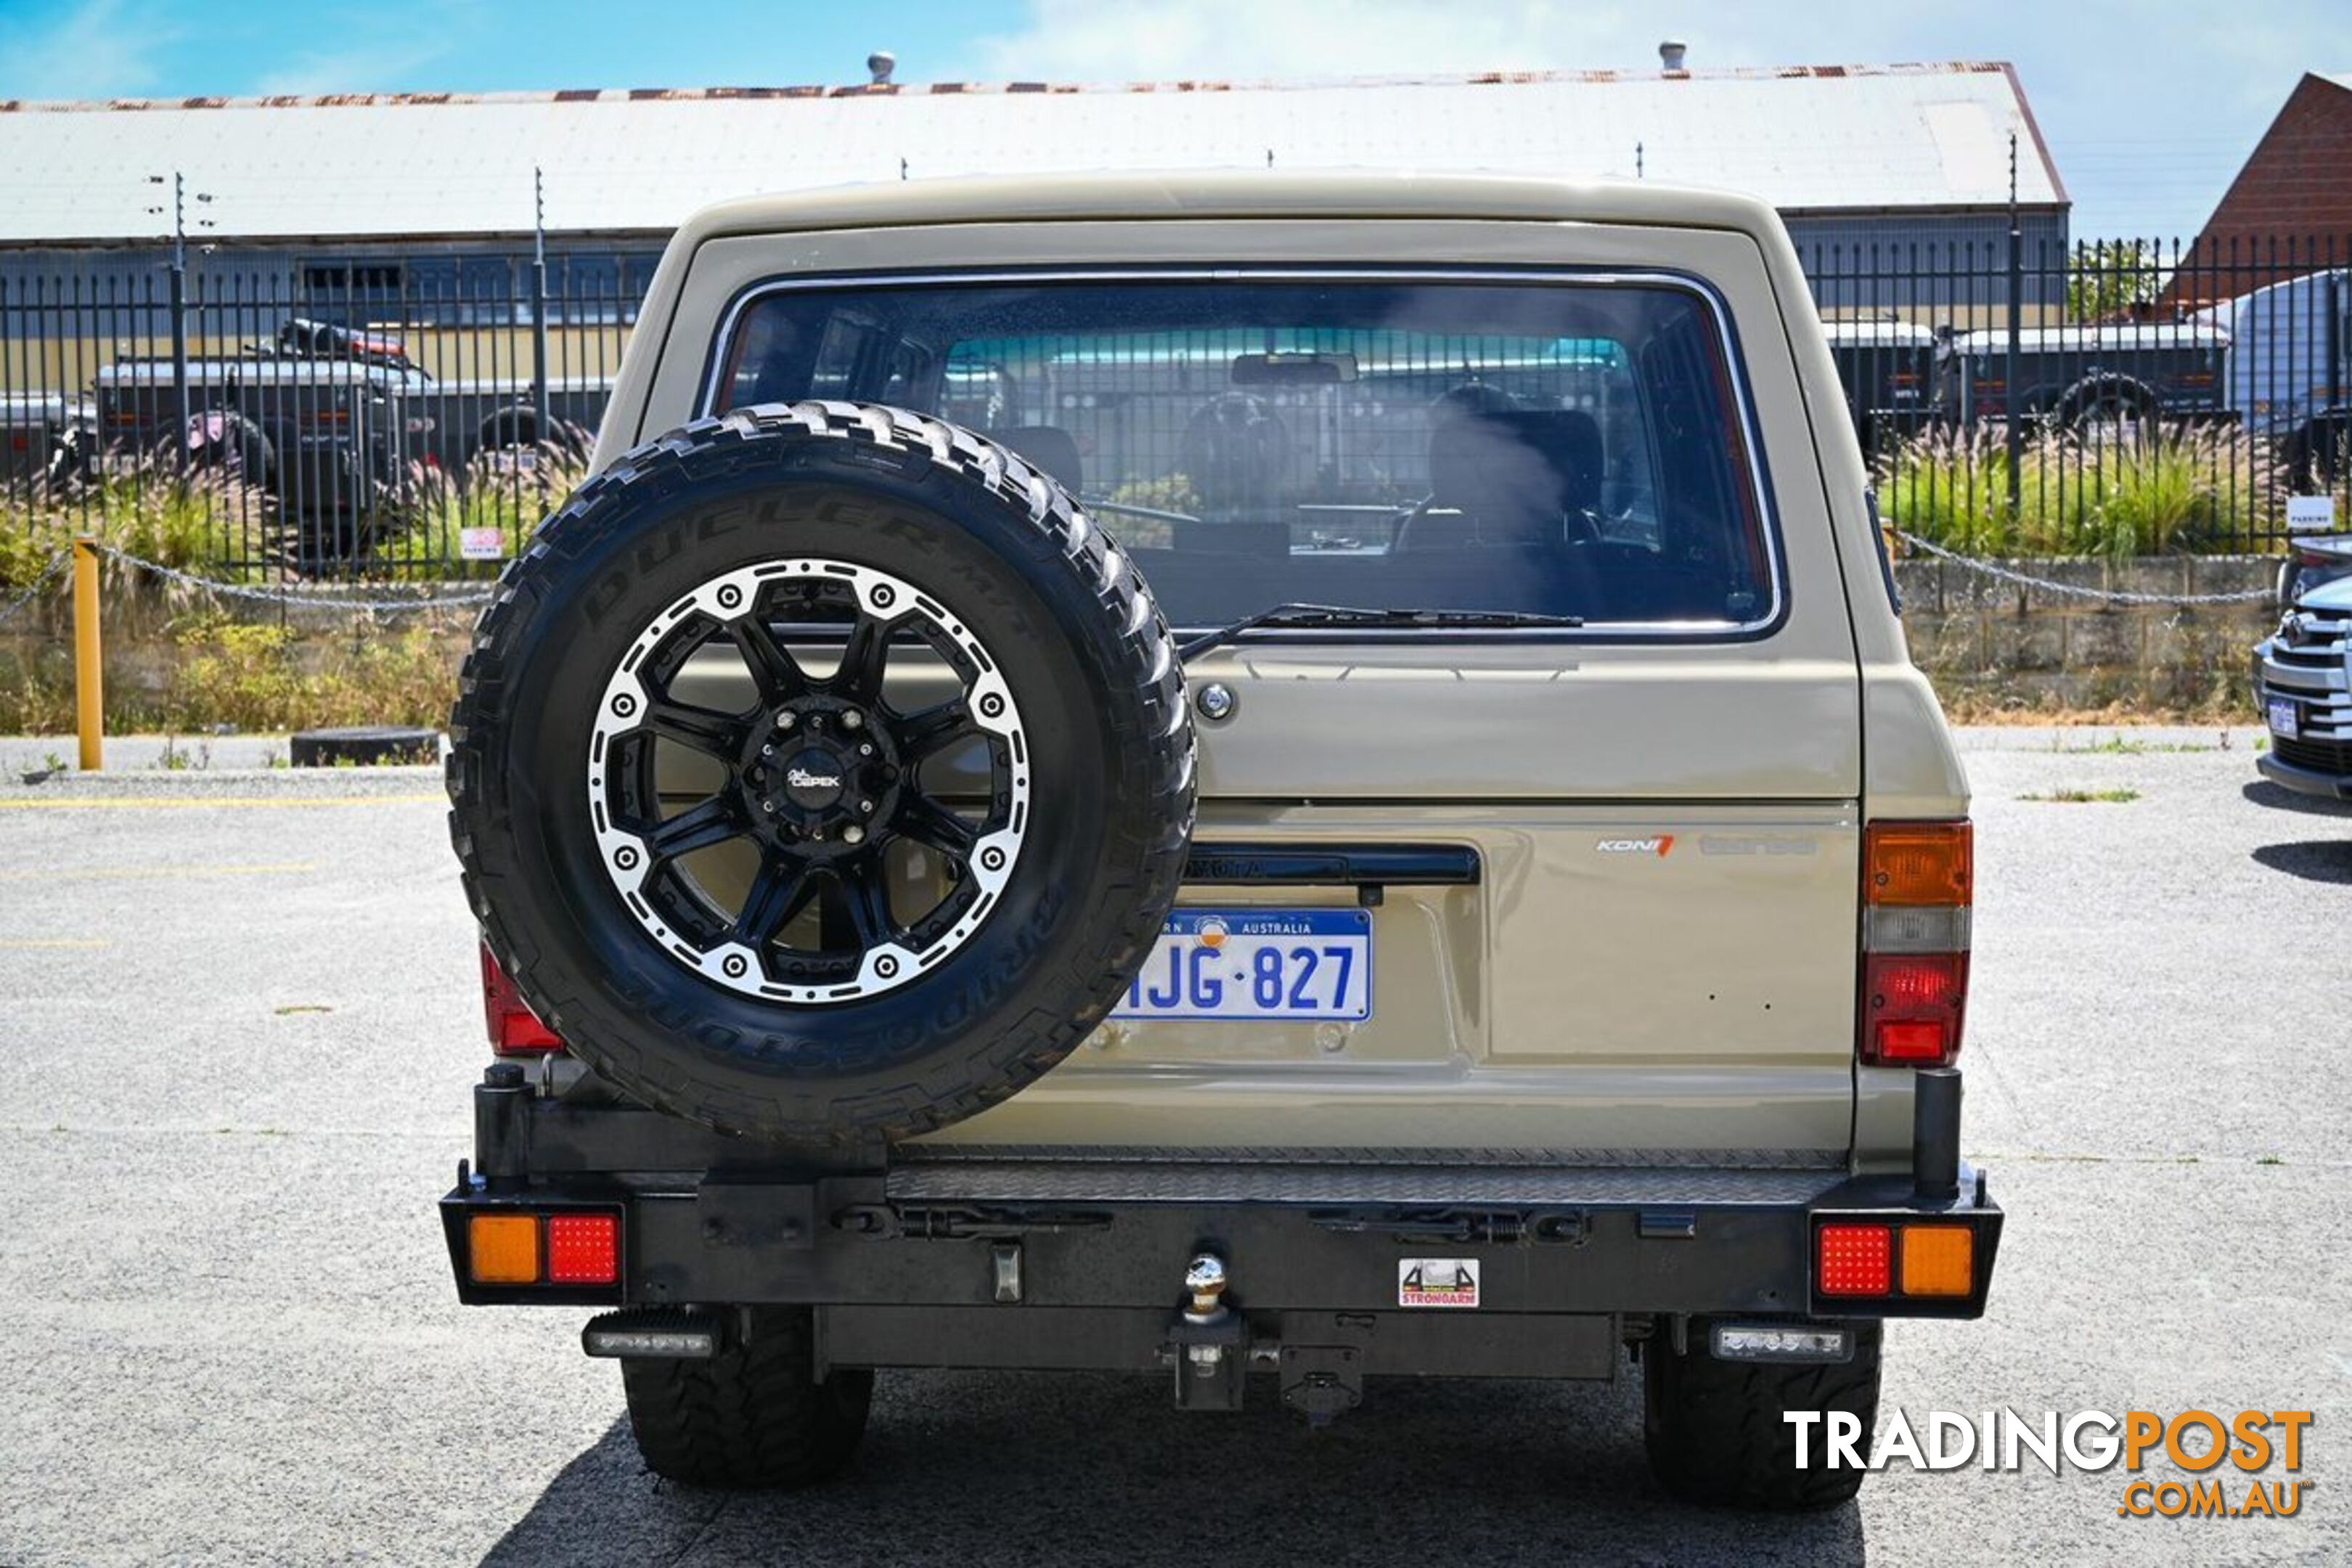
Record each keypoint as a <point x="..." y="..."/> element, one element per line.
<point x="1270" y="193"/>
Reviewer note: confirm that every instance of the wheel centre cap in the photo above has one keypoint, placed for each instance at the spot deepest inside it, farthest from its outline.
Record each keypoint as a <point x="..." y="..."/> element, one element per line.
<point x="814" y="778"/>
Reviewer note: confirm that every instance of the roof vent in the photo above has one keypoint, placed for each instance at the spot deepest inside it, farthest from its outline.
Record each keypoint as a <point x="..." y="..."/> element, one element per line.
<point x="879" y="65"/>
<point x="1670" y="54"/>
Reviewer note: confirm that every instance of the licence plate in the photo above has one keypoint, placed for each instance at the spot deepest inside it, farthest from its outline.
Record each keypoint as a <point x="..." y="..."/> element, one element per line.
<point x="1257" y="964"/>
<point x="2282" y="718"/>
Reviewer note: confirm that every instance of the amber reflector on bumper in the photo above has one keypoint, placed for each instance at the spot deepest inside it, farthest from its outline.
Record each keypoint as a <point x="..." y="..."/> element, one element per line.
<point x="503" y="1248"/>
<point x="1939" y="1259"/>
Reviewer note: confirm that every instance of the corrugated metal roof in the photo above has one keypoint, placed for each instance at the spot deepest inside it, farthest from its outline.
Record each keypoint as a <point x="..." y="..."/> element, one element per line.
<point x="1805" y="138"/>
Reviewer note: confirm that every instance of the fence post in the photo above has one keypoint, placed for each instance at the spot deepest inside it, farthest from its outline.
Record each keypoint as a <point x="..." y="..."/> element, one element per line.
<point x="180" y="318"/>
<point x="538" y="304"/>
<point x="89" y="671"/>
<point x="2016" y="321"/>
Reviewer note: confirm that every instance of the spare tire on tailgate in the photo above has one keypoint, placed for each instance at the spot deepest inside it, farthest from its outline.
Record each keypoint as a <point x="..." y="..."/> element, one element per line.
<point x="822" y="773"/>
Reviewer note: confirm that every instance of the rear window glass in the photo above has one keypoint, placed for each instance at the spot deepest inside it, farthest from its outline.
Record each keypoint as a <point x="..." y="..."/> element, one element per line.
<point x="1556" y="447"/>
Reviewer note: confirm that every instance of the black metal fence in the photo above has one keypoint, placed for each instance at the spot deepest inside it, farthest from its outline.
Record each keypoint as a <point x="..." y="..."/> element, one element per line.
<point x="2117" y="399"/>
<point x="252" y="427"/>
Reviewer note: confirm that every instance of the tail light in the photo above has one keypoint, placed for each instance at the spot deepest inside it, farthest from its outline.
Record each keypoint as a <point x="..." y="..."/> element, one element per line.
<point x="1861" y="1261"/>
<point x="571" y="1248"/>
<point x="1918" y="885"/>
<point x="515" y="1030"/>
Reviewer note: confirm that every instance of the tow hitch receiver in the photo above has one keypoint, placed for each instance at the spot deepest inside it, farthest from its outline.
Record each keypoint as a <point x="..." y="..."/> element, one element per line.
<point x="1208" y="1342"/>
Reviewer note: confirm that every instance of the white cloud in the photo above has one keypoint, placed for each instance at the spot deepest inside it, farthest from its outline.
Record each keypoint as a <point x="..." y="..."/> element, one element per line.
<point x="1093" y="40"/>
<point x="99" y="49"/>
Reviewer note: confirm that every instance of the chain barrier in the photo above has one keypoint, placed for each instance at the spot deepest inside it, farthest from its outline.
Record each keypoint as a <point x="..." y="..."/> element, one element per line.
<point x="2105" y="595"/>
<point x="378" y="605"/>
<point x="32" y="590"/>
<point x="382" y="606"/>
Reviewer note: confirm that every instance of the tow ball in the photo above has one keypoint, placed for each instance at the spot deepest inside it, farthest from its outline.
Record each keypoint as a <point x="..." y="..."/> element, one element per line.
<point x="1208" y="1342"/>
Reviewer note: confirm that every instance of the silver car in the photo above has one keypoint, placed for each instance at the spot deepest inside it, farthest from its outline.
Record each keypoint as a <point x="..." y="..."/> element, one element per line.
<point x="2303" y="683"/>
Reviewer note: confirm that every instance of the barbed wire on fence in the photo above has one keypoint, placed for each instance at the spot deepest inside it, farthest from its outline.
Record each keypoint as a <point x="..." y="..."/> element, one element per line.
<point x="2105" y="595"/>
<point x="57" y="563"/>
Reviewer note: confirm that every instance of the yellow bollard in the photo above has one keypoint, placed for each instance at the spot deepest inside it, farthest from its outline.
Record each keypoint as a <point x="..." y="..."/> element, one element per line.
<point x="89" y="673"/>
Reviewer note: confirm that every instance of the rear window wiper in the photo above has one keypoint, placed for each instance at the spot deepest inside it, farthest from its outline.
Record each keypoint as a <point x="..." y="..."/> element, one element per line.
<point x="1298" y="615"/>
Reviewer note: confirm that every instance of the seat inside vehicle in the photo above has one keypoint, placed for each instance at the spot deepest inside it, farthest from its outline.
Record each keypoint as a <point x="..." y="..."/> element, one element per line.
<point x="1508" y="477"/>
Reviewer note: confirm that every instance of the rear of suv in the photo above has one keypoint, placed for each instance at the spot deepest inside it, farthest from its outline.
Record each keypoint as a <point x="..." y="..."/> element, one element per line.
<point x="1302" y="775"/>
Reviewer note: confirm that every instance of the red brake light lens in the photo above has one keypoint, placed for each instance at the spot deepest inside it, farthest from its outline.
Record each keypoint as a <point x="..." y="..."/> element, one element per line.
<point x="1855" y="1260"/>
<point x="584" y="1249"/>
<point x="1912" y="1007"/>
<point x="515" y="1029"/>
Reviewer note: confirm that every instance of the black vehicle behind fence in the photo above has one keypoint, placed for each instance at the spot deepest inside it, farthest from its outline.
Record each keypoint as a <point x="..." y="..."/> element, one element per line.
<point x="324" y="421"/>
<point x="2104" y="382"/>
<point x="328" y="419"/>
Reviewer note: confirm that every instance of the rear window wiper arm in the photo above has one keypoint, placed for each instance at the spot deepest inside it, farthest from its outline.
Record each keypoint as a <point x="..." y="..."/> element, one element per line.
<point x="1404" y="619"/>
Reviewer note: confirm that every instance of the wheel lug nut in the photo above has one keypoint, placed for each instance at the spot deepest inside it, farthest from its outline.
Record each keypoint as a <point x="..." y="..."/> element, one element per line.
<point x="852" y="720"/>
<point x="867" y="750"/>
<point x="864" y="809"/>
<point x="786" y="719"/>
<point x="768" y="751"/>
<point x="853" y="834"/>
<point x="768" y="806"/>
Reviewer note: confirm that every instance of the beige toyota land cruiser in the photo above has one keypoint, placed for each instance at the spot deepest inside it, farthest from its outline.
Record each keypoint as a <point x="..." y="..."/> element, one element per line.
<point x="1260" y="779"/>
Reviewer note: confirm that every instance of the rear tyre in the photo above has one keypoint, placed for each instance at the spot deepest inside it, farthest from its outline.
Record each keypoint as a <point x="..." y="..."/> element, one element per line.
<point x="757" y="1416"/>
<point x="2113" y="418"/>
<point x="1716" y="1432"/>
<point x="508" y="428"/>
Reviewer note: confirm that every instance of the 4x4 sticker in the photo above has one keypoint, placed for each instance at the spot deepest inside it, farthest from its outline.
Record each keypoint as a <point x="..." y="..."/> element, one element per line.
<point x="1437" y="1281"/>
<point x="1657" y="845"/>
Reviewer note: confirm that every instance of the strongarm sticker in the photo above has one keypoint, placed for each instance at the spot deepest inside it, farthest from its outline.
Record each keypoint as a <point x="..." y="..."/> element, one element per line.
<point x="1437" y="1281"/>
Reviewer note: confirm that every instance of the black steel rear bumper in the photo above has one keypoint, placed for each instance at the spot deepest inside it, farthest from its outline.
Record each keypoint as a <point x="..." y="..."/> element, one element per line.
<point x="1007" y="1248"/>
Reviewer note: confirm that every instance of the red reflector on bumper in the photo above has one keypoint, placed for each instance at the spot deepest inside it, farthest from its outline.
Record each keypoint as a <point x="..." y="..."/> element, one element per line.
<point x="1855" y="1260"/>
<point x="584" y="1249"/>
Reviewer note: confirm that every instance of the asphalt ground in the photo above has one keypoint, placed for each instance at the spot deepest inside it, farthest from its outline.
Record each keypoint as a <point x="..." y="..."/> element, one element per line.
<point x="240" y="1025"/>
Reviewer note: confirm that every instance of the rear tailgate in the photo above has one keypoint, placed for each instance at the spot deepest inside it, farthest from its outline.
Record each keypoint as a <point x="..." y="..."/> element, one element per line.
<point x="1658" y="953"/>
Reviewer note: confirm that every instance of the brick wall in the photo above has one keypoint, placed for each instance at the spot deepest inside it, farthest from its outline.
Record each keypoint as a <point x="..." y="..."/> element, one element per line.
<point x="1988" y="643"/>
<point x="2294" y="196"/>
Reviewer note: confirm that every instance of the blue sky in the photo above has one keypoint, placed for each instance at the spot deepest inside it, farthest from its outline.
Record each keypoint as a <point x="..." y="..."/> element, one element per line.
<point x="2150" y="107"/>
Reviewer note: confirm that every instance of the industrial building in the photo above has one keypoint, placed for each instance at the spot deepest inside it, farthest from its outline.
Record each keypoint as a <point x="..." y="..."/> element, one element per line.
<point x="360" y="200"/>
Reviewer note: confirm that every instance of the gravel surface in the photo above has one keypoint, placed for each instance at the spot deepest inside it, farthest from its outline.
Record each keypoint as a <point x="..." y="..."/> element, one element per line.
<point x="242" y="1025"/>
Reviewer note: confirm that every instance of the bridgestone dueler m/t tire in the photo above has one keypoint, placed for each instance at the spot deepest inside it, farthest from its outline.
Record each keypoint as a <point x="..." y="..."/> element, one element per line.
<point x="753" y="1415"/>
<point x="1716" y="1432"/>
<point x="1056" y="634"/>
